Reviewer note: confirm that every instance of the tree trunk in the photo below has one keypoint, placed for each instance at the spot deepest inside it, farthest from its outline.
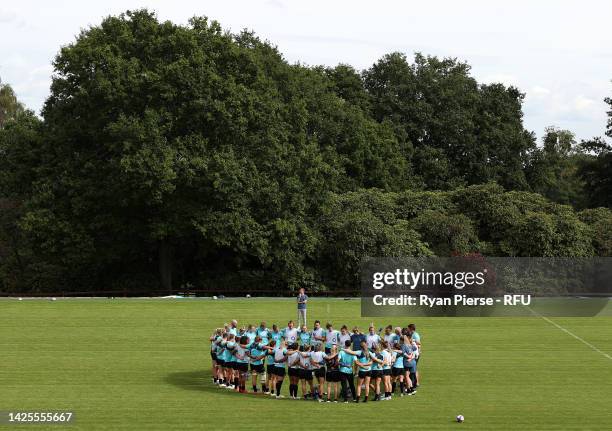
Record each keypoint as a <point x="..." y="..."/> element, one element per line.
<point x="165" y="265"/>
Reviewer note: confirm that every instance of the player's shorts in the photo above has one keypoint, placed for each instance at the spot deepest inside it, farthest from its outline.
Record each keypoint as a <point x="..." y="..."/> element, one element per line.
<point x="306" y="374"/>
<point x="397" y="371"/>
<point x="221" y="363"/>
<point x="270" y="369"/>
<point x="279" y="371"/>
<point x="242" y="366"/>
<point x="230" y="365"/>
<point x="376" y="374"/>
<point x="294" y="372"/>
<point x="333" y="376"/>
<point x="362" y="374"/>
<point x="386" y="371"/>
<point x="257" y="368"/>
<point x="320" y="372"/>
<point x="213" y="355"/>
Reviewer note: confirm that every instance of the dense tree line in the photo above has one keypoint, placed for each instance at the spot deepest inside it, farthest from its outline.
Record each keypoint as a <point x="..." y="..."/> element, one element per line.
<point x="171" y="156"/>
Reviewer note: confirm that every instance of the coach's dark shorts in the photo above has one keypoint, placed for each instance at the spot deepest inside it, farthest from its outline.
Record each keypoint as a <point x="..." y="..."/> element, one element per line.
<point x="362" y="374"/>
<point x="345" y="376"/>
<point x="242" y="366"/>
<point x="397" y="371"/>
<point x="257" y="368"/>
<point x="320" y="372"/>
<point x="294" y="372"/>
<point x="376" y="374"/>
<point x="386" y="372"/>
<point x="279" y="371"/>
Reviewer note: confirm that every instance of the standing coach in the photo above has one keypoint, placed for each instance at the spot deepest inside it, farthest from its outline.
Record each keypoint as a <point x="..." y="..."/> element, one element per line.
<point x="302" y="299"/>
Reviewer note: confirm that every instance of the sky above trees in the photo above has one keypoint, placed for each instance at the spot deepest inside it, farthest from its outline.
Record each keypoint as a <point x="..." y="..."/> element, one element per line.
<point x="558" y="52"/>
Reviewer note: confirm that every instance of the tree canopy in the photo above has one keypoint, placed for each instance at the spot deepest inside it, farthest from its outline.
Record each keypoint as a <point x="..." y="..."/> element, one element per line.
<point x="185" y="155"/>
<point x="10" y="107"/>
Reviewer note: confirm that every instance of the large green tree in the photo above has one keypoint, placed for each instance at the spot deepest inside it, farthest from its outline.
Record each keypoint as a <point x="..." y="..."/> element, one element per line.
<point x="360" y="225"/>
<point x="553" y="168"/>
<point x="461" y="132"/>
<point x="21" y="158"/>
<point x="596" y="172"/>
<point x="195" y="150"/>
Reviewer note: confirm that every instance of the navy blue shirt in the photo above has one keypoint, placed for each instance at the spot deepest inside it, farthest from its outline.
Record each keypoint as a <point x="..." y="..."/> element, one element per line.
<point x="357" y="339"/>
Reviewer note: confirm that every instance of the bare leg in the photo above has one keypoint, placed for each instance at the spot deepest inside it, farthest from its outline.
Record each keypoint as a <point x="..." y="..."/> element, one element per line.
<point x="407" y="380"/>
<point x="273" y="383"/>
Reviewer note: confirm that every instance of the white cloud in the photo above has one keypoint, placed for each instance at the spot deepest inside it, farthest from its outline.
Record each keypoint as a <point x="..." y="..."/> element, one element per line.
<point x="10" y="18"/>
<point x="7" y="16"/>
<point x="582" y="103"/>
<point x="537" y="91"/>
<point x="277" y="4"/>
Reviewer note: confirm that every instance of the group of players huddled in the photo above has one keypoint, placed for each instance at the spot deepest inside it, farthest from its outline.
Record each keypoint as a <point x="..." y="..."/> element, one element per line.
<point x="318" y="360"/>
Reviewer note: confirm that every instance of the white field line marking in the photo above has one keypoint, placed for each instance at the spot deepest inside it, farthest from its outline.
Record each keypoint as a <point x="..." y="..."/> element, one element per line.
<point x="572" y="334"/>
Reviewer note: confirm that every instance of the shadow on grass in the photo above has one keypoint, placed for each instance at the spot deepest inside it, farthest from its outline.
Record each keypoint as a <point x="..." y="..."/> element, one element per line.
<point x="201" y="380"/>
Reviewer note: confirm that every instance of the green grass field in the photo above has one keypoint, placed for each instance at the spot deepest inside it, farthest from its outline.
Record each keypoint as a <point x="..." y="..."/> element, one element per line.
<point x="144" y="364"/>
